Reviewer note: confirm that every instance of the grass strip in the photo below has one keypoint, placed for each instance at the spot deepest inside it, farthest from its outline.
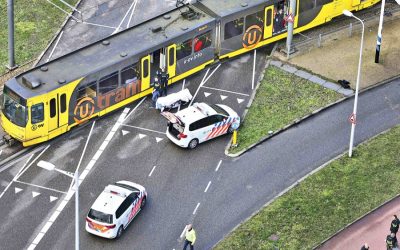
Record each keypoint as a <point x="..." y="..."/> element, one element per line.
<point x="281" y="98"/>
<point x="36" y="22"/>
<point x="326" y="201"/>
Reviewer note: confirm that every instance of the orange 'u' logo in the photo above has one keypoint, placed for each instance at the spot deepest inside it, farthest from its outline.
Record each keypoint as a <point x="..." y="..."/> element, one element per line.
<point x="84" y="109"/>
<point x="252" y="37"/>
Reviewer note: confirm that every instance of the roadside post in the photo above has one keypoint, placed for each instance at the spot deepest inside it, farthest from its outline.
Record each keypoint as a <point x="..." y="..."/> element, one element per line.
<point x="290" y="21"/>
<point x="235" y="127"/>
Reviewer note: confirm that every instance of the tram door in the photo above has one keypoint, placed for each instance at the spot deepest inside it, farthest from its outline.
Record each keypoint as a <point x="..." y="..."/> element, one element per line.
<point x="269" y="10"/>
<point x="145" y="72"/>
<point x="171" y="60"/>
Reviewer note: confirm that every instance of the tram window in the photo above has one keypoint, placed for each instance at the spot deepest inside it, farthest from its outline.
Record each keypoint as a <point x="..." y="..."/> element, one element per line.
<point x="269" y="17"/>
<point x="63" y="103"/>
<point x="171" y="54"/>
<point x="108" y="83"/>
<point x="89" y="89"/>
<point x="184" y="49"/>
<point x="233" y="28"/>
<point x="53" y="108"/>
<point x="130" y="74"/>
<point x="146" y="68"/>
<point x="255" y="19"/>
<point x="306" y="5"/>
<point x="202" y="41"/>
<point x="322" y="2"/>
<point x="37" y="113"/>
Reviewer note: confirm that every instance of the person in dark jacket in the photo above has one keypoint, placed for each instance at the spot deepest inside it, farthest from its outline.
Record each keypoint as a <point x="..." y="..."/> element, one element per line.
<point x="391" y="241"/>
<point x="164" y="77"/>
<point x="156" y="91"/>
<point x="394" y="226"/>
<point x="365" y="247"/>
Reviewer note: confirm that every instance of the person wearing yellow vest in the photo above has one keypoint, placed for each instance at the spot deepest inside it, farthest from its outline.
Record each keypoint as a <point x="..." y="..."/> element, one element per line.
<point x="190" y="237"/>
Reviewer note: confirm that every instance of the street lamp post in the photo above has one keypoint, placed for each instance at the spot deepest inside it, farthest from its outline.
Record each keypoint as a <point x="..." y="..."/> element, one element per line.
<point x="50" y="167"/>
<point x="353" y="124"/>
<point x="379" y="37"/>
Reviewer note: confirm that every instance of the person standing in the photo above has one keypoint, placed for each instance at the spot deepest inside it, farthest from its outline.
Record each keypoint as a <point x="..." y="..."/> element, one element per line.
<point x="190" y="237"/>
<point x="394" y="226"/>
<point x="391" y="241"/>
<point x="156" y="91"/>
<point x="164" y="77"/>
<point x="365" y="247"/>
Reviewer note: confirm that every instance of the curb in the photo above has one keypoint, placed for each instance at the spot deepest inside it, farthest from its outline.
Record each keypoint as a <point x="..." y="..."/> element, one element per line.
<point x="56" y="34"/>
<point x="306" y="117"/>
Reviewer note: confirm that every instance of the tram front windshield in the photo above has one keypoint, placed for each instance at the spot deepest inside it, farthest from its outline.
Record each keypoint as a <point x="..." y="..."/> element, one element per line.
<point x="14" y="110"/>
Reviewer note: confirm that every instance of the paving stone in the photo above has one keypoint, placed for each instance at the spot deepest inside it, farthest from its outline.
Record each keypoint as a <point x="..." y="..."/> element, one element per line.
<point x="303" y="74"/>
<point x="317" y="80"/>
<point x="331" y="85"/>
<point x="289" y="68"/>
<point x="276" y="63"/>
<point x="346" y="92"/>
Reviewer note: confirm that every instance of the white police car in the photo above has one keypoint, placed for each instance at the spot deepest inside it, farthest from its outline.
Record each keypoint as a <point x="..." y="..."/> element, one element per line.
<point x="115" y="208"/>
<point x="200" y="122"/>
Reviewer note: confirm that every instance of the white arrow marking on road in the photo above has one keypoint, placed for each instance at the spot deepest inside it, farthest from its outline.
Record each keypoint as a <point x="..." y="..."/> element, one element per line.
<point x="124" y="132"/>
<point x="17" y="190"/>
<point x="52" y="198"/>
<point x="240" y="100"/>
<point x="206" y="94"/>
<point x="142" y="136"/>
<point x="158" y="139"/>
<point x="223" y="97"/>
<point x="34" y="194"/>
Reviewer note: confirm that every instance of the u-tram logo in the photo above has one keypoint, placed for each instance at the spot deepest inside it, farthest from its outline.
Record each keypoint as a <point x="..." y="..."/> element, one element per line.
<point x="252" y="37"/>
<point x="84" y="109"/>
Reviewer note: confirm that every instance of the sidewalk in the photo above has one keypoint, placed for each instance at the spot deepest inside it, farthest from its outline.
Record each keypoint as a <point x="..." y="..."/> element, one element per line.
<point x="338" y="59"/>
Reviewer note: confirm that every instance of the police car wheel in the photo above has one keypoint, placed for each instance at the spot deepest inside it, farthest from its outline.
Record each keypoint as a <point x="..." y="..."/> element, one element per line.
<point x="193" y="143"/>
<point x="119" y="233"/>
<point x="143" y="203"/>
<point x="230" y="130"/>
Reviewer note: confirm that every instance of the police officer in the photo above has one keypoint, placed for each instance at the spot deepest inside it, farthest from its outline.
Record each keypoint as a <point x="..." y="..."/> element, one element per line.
<point x="394" y="226"/>
<point x="190" y="237"/>
<point x="164" y="77"/>
<point x="391" y="241"/>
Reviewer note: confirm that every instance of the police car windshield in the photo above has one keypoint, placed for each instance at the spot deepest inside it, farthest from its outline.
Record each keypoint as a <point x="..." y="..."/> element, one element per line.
<point x="99" y="216"/>
<point x="219" y="110"/>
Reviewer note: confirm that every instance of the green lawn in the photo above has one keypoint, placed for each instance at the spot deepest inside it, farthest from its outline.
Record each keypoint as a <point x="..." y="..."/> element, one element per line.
<point x="281" y="98"/>
<point x="36" y="22"/>
<point x="326" y="201"/>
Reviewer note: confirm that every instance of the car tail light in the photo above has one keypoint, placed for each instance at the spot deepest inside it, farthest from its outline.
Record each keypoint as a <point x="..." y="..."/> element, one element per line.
<point x="87" y="219"/>
<point x="182" y="135"/>
<point x="110" y="226"/>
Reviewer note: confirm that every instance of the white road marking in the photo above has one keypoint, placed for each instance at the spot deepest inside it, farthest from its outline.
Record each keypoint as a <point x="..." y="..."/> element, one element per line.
<point x="141" y="136"/>
<point x="209" y="183"/>
<point x="71" y="192"/>
<point x="240" y="100"/>
<point x="206" y="94"/>
<point x="124" y="132"/>
<point x="152" y="171"/>
<point x="17" y="190"/>
<point x="133" y="10"/>
<point x="201" y="84"/>
<point x="52" y="51"/>
<point x="212" y="73"/>
<point x="195" y="210"/>
<point x="254" y="69"/>
<point x="237" y="93"/>
<point x="53" y="198"/>
<point x="133" y="110"/>
<point x="34" y="185"/>
<point x="37" y="157"/>
<point x="183" y="232"/>
<point x="155" y="131"/>
<point x="158" y="139"/>
<point x="223" y="97"/>
<point x="34" y="194"/>
<point x="219" y="164"/>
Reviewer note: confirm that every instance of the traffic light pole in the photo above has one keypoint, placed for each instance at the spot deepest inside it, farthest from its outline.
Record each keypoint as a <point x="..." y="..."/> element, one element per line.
<point x="10" y="12"/>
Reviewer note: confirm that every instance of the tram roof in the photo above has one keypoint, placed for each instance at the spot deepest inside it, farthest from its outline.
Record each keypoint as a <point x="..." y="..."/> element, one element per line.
<point x="137" y="40"/>
<point x="227" y="7"/>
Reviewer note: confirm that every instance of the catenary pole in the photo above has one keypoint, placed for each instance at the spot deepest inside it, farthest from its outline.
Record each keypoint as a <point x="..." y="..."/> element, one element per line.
<point x="292" y="11"/>
<point x="379" y="37"/>
<point x="10" y="12"/>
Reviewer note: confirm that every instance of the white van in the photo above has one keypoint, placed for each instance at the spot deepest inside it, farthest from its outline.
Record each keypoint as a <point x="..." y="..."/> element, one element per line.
<point x="115" y="208"/>
<point x="200" y="122"/>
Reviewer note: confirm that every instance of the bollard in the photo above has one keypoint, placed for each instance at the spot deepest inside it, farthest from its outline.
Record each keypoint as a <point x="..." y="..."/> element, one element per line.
<point x="234" y="139"/>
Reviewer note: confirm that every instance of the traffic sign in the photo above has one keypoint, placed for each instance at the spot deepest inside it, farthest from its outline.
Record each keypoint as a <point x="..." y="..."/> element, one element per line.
<point x="352" y="118"/>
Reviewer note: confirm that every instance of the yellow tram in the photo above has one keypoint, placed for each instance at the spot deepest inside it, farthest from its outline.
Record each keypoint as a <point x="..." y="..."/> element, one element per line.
<point x="52" y="98"/>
